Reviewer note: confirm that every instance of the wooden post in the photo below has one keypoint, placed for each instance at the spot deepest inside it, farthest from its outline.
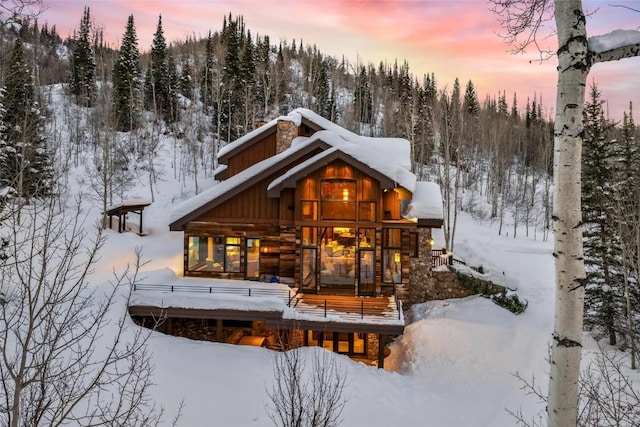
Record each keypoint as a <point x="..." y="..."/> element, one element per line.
<point x="141" y="221"/>
<point x="381" y="345"/>
<point x="219" y="330"/>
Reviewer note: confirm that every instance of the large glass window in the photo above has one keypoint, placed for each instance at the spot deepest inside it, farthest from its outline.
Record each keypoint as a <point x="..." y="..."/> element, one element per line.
<point x="339" y="199"/>
<point x="213" y="253"/>
<point x="309" y="209"/>
<point x="232" y="254"/>
<point x="391" y="255"/>
<point x="337" y="260"/>
<point x="339" y="342"/>
<point x="253" y="259"/>
<point x="366" y="261"/>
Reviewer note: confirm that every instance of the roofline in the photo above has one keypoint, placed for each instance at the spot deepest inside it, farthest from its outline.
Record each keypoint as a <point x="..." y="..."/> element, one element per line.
<point x="269" y="129"/>
<point x="290" y="182"/>
<point x="179" y="224"/>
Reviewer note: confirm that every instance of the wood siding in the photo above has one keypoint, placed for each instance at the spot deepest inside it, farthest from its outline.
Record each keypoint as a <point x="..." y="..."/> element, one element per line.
<point x="309" y="188"/>
<point x="248" y="157"/>
<point x="251" y="204"/>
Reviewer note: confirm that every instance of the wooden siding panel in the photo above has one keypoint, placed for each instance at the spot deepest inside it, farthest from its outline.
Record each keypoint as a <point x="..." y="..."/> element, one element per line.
<point x="257" y="152"/>
<point x="252" y="203"/>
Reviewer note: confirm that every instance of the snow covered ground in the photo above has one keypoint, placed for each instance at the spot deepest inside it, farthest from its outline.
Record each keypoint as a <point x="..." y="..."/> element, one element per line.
<point x="454" y="366"/>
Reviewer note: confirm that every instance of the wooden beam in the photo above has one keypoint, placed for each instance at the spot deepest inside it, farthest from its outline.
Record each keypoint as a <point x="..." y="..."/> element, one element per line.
<point x="381" y="346"/>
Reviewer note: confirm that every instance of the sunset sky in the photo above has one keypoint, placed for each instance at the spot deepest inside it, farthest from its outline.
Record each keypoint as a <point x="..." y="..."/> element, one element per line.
<point x="451" y="38"/>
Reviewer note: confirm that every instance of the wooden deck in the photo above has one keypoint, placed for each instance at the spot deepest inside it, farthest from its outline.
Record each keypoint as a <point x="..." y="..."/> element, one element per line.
<point x="384" y="307"/>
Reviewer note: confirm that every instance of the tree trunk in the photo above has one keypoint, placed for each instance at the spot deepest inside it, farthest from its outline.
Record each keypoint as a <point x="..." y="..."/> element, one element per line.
<point x="566" y="350"/>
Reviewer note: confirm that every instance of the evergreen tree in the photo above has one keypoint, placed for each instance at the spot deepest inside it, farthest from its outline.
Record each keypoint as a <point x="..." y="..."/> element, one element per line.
<point x="231" y="79"/>
<point x="601" y="249"/>
<point x="25" y="166"/>
<point x="362" y="98"/>
<point x="208" y="75"/>
<point x="126" y="81"/>
<point x="471" y="105"/>
<point x="186" y="81"/>
<point x="159" y="92"/>
<point x="83" y="64"/>
<point x="324" y="103"/>
<point x="173" y="85"/>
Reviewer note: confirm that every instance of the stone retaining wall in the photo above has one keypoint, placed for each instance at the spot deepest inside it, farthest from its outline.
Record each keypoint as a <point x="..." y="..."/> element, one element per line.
<point x="438" y="286"/>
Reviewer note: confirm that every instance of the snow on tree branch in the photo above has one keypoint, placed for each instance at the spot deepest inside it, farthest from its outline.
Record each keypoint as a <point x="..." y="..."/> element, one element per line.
<point x="618" y="44"/>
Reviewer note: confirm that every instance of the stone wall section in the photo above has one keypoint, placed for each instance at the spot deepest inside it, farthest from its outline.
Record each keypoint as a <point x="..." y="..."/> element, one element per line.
<point x="426" y="284"/>
<point x="286" y="132"/>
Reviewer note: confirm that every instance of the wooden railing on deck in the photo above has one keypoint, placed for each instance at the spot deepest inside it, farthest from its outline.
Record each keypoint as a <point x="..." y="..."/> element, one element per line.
<point x="286" y="295"/>
<point x="442" y="257"/>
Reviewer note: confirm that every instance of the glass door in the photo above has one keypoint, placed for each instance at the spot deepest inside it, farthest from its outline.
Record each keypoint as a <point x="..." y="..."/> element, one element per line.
<point x="366" y="262"/>
<point x="308" y="275"/>
<point x="337" y="259"/>
<point x="367" y="269"/>
<point x="252" y="252"/>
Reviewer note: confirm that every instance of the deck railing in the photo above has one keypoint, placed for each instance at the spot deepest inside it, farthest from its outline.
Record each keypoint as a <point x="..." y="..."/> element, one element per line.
<point x="346" y="307"/>
<point x="442" y="257"/>
<point x="286" y="295"/>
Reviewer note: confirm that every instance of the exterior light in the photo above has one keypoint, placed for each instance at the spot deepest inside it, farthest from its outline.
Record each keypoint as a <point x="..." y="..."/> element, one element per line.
<point x="345" y="194"/>
<point x="431" y="242"/>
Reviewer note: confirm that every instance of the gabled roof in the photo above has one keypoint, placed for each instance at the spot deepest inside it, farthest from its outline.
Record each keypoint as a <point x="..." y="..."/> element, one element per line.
<point x="385" y="159"/>
<point x="380" y="157"/>
<point x="298" y="116"/>
<point x="208" y="199"/>
<point x="288" y="180"/>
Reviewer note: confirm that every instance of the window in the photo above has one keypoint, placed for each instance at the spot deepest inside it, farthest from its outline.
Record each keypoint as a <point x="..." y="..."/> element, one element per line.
<point x="309" y="236"/>
<point x="392" y="255"/>
<point x="232" y="255"/>
<point x="339" y="199"/>
<point x="309" y="210"/>
<point x="253" y="258"/>
<point x="213" y="253"/>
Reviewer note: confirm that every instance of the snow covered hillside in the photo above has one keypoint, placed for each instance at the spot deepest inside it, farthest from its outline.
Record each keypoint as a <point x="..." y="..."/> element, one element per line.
<point x="453" y="367"/>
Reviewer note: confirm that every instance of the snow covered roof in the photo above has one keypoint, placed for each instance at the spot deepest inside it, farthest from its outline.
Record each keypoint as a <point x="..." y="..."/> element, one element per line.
<point x="388" y="159"/>
<point x="426" y="202"/>
<point x="387" y="156"/>
<point x="191" y="207"/>
<point x="296" y="116"/>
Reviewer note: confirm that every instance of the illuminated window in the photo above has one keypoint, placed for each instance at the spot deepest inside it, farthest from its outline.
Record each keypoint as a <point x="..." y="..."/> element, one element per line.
<point x="339" y="199"/>
<point x="391" y="255"/>
<point x="309" y="209"/>
<point x="213" y="254"/>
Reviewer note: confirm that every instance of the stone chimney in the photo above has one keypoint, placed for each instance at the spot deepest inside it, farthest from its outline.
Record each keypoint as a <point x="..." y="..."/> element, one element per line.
<point x="259" y="122"/>
<point x="286" y="131"/>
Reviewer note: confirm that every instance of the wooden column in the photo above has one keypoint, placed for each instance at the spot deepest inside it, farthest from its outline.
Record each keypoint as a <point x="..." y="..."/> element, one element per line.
<point x="219" y="330"/>
<point x="381" y="346"/>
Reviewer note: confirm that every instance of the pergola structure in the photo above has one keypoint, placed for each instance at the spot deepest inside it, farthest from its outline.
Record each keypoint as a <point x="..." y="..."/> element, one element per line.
<point x="121" y="211"/>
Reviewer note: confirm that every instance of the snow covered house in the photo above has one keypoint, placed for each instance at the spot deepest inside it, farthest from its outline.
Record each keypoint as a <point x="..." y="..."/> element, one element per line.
<point x="305" y="202"/>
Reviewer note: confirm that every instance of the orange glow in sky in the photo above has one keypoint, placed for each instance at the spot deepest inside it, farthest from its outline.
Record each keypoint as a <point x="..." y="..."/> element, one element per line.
<point x="450" y="38"/>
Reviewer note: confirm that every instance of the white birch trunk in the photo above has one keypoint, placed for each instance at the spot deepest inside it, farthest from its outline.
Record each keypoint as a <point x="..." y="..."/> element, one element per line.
<point x="573" y="69"/>
<point x="574" y="63"/>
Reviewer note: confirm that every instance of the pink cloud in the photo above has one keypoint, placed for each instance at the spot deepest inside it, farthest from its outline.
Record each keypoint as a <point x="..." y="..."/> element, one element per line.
<point x="450" y="38"/>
